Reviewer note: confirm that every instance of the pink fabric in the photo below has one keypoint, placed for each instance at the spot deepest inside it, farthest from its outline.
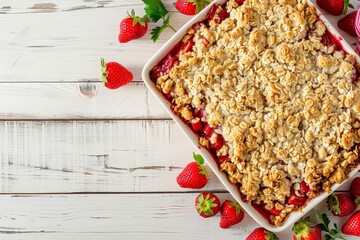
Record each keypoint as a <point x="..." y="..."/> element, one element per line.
<point x="357" y="28"/>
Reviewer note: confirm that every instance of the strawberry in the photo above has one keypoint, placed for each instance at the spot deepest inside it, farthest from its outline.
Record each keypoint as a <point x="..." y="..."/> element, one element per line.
<point x="347" y="23"/>
<point x="132" y="27"/>
<point x="208" y="131"/>
<point x="240" y="2"/>
<point x="260" y="209"/>
<point x="354" y="188"/>
<point x="115" y="75"/>
<point x="196" y="125"/>
<point x="295" y="199"/>
<point x="219" y="143"/>
<point x="334" y="7"/>
<point x="194" y="174"/>
<point x="207" y="204"/>
<point x="190" y="7"/>
<point x="341" y="204"/>
<point x="231" y="214"/>
<point x="274" y="211"/>
<point x="352" y="225"/>
<point x="304" y="231"/>
<point x="304" y="188"/>
<point x="262" y="234"/>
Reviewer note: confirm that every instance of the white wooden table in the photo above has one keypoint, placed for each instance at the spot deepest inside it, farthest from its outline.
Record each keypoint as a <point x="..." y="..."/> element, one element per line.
<point x="79" y="161"/>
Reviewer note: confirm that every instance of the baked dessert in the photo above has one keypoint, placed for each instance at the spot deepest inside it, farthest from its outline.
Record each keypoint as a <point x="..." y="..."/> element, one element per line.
<point x="272" y="95"/>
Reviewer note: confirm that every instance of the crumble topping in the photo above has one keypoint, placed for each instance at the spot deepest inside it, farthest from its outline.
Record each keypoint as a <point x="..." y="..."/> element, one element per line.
<point x="286" y="103"/>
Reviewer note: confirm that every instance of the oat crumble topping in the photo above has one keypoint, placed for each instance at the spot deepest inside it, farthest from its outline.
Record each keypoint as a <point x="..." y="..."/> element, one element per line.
<point x="286" y="103"/>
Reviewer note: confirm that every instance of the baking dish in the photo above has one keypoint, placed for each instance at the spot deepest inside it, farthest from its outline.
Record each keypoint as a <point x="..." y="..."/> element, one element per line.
<point x="294" y="216"/>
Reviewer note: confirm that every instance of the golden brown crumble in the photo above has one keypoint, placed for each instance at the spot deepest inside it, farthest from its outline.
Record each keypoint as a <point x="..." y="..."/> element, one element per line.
<point x="286" y="104"/>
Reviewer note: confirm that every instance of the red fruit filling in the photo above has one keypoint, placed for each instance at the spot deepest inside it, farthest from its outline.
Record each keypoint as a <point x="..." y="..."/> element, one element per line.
<point x="219" y="143"/>
<point x="295" y="199"/>
<point x="196" y="125"/>
<point x="185" y="47"/>
<point x="223" y="159"/>
<point x="208" y="131"/>
<point x="260" y="209"/>
<point x="304" y="188"/>
<point x="164" y="67"/>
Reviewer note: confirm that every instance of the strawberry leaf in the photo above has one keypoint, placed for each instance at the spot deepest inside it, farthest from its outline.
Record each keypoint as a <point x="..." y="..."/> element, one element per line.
<point x="198" y="158"/>
<point x="155" y="33"/>
<point x="155" y="9"/>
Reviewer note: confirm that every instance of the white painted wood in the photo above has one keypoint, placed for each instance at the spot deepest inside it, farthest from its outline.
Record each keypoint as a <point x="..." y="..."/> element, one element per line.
<point x="77" y="101"/>
<point x="66" y="46"/>
<point x="116" y="216"/>
<point x="100" y="156"/>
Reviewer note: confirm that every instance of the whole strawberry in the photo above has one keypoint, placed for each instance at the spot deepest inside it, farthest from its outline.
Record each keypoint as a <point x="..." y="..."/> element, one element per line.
<point x="132" y="27"/>
<point x="262" y="234"/>
<point x="115" y="75"/>
<point x="190" y="7"/>
<point x="194" y="174"/>
<point x="347" y="23"/>
<point x="304" y="230"/>
<point x="355" y="187"/>
<point x="334" y="7"/>
<point x="207" y="204"/>
<point x="231" y="214"/>
<point x="352" y="225"/>
<point x="341" y="204"/>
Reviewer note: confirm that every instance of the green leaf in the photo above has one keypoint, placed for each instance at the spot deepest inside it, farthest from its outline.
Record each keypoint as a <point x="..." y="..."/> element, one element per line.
<point x="198" y="158"/>
<point x="155" y="9"/>
<point x="351" y="6"/>
<point x="328" y="237"/>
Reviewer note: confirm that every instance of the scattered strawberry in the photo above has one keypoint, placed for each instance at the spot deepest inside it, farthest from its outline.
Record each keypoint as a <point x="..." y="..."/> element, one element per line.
<point x="334" y="7"/>
<point x="194" y="174"/>
<point x="190" y="7"/>
<point x="231" y="214"/>
<point x="331" y="234"/>
<point x="262" y="234"/>
<point x="207" y="204"/>
<point x="355" y="188"/>
<point x="115" y="75"/>
<point x="155" y="11"/>
<point x="341" y="204"/>
<point x="347" y="23"/>
<point x="352" y="225"/>
<point x="304" y="230"/>
<point x="132" y="27"/>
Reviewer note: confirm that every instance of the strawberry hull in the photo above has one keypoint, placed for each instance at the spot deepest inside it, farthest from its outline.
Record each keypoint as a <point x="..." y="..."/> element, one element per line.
<point x="210" y="154"/>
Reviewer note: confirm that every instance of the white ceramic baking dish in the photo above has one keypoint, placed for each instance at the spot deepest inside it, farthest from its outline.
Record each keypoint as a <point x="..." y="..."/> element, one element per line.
<point x="164" y="50"/>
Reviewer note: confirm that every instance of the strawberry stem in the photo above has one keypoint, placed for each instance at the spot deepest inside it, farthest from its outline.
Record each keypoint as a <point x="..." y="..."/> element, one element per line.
<point x="103" y="70"/>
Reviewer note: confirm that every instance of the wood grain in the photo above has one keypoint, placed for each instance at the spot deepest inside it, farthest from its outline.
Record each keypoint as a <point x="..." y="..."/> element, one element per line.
<point x="117" y="216"/>
<point x="99" y="156"/>
<point x="90" y="100"/>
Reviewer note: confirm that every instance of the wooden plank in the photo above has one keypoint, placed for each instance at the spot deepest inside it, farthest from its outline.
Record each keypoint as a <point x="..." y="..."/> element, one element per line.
<point x="117" y="216"/>
<point x="97" y="156"/>
<point x="77" y="101"/>
<point x="66" y="46"/>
